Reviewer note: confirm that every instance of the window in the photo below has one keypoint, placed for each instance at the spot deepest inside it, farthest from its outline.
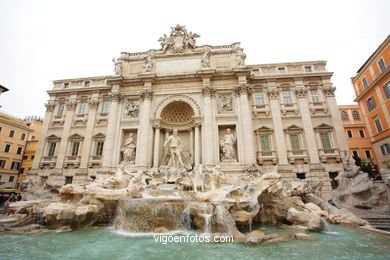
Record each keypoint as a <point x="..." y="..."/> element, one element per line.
<point x="11" y="178"/>
<point x="282" y="70"/>
<point x="33" y="137"/>
<point x="356" y="116"/>
<point x="74" y="148"/>
<point x="385" y="149"/>
<point x="19" y="151"/>
<point x="307" y="68"/>
<point x="1" y="129"/>
<point x="61" y="108"/>
<point x="255" y="72"/>
<point x="25" y="157"/>
<point x="7" y="148"/>
<point x="259" y="98"/>
<point x="371" y="104"/>
<point x="87" y="83"/>
<point x="314" y="95"/>
<point x="51" y="148"/>
<point x="361" y="132"/>
<point x="11" y="133"/>
<point x="28" y="146"/>
<point x="286" y="97"/>
<point x="66" y="85"/>
<point x="15" y="165"/>
<point x="264" y="143"/>
<point x="294" y="140"/>
<point x="68" y="180"/>
<point x="355" y="154"/>
<point x="325" y="140"/>
<point x="105" y="106"/>
<point x="83" y="108"/>
<point x="382" y="65"/>
<point x="364" y="82"/>
<point x="344" y="116"/>
<point x="99" y="148"/>
<point x="2" y="164"/>
<point x="22" y="137"/>
<point x="386" y="88"/>
<point x="301" y="176"/>
<point x="368" y="154"/>
<point x="378" y="125"/>
<point x="349" y="132"/>
<point x="32" y="157"/>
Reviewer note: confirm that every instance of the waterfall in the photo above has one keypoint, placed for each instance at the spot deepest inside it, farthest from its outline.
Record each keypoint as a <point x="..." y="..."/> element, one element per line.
<point x="186" y="219"/>
<point x="207" y="223"/>
<point x="327" y="228"/>
<point x="250" y="223"/>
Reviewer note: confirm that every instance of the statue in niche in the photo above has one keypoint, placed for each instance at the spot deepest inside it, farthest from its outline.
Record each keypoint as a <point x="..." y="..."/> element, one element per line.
<point x="227" y="146"/>
<point x="175" y="157"/>
<point x="118" y="66"/>
<point x="132" y="108"/>
<point x="128" y="149"/>
<point x="149" y="61"/>
<point x="225" y="103"/>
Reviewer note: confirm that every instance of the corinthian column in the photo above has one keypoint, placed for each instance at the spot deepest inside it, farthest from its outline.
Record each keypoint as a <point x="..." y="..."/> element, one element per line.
<point x="207" y="128"/>
<point x="71" y="106"/>
<point x="143" y="129"/>
<point x="301" y="93"/>
<point x="93" y="104"/>
<point x="281" y="150"/>
<point x="108" y="148"/>
<point x="243" y="91"/>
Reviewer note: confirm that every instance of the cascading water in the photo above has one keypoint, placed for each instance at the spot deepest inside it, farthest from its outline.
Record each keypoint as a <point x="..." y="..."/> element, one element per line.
<point x="250" y="223"/>
<point x="328" y="229"/>
<point x="207" y="223"/>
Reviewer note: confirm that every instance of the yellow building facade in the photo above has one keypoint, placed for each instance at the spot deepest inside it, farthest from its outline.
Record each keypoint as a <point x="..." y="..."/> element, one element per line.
<point x="14" y="134"/>
<point x="35" y="124"/>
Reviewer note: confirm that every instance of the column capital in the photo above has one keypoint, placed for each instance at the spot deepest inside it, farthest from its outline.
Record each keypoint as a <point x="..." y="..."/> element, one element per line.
<point x="156" y="123"/>
<point x="146" y="94"/>
<point x="71" y="105"/>
<point x="242" y="89"/>
<point x="329" y="91"/>
<point x="273" y="93"/>
<point x="208" y="91"/>
<point x="301" y="92"/>
<point x="50" y="106"/>
<point x="94" y="103"/>
<point x="115" y="95"/>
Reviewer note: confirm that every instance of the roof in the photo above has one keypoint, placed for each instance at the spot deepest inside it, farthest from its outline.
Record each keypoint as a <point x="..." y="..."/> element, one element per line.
<point x="384" y="42"/>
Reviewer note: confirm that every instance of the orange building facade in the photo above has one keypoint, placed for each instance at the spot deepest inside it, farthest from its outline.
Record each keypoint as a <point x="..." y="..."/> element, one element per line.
<point x="372" y="88"/>
<point x="356" y="132"/>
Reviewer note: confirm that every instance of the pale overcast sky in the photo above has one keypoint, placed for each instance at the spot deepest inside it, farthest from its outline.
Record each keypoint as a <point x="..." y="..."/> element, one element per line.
<point x="41" y="41"/>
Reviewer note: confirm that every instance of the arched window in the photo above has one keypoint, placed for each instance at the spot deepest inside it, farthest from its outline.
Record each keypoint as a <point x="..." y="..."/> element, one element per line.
<point x="344" y="116"/>
<point x="356" y="116"/>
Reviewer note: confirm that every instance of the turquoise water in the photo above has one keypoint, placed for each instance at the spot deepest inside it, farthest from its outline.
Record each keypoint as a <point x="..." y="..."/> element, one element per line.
<point x="105" y="243"/>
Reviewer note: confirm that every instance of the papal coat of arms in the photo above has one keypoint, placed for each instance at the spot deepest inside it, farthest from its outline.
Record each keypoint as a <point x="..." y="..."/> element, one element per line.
<point x="179" y="40"/>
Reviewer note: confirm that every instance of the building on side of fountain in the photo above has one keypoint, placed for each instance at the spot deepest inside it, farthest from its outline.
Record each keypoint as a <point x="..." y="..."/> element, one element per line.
<point x="281" y="116"/>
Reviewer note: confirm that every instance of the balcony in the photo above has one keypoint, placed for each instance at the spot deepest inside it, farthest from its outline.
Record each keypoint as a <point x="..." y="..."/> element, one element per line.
<point x="263" y="156"/>
<point x="261" y="110"/>
<point x="316" y="107"/>
<point x="328" y="154"/>
<point x="72" y="161"/>
<point x="48" y="161"/>
<point x="95" y="160"/>
<point x="289" y="108"/>
<point x="296" y="155"/>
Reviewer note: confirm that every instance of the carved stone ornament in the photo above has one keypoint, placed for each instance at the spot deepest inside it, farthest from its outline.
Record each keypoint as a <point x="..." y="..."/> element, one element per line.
<point x="132" y="108"/>
<point x="225" y="103"/>
<point x="146" y="94"/>
<point x="71" y="105"/>
<point x="329" y="92"/>
<point x="301" y="92"/>
<point x="208" y="91"/>
<point x="179" y="40"/>
<point x="242" y="89"/>
<point x="50" y="107"/>
<point x="273" y="93"/>
<point x="94" y="103"/>
<point x="149" y="62"/>
<point x="117" y="66"/>
<point x="206" y="57"/>
<point x="115" y="95"/>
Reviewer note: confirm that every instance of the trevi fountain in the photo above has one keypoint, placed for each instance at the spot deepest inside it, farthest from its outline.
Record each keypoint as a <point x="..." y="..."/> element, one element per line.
<point x="188" y="191"/>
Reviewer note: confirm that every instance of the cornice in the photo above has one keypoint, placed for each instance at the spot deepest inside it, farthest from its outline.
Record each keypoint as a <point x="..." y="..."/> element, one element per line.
<point x="76" y="90"/>
<point x="373" y="84"/>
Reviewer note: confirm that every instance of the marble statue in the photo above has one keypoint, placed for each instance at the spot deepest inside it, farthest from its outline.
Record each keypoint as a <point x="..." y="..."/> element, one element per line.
<point x="205" y="60"/>
<point x="175" y="157"/>
<point x="197" y="177"/>
<point x="179" y="40"/>
<point x="241" y="59"/>
<point x="118" y="66"/>
<point x="227" y="146"/>
<point x="149" y="63"/>
<point x="216" y="177"/>
<point x="129" y="149"/>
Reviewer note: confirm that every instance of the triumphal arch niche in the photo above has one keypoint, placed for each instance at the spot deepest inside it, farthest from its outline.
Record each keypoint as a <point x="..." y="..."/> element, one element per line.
<point x="183" y="105"/>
